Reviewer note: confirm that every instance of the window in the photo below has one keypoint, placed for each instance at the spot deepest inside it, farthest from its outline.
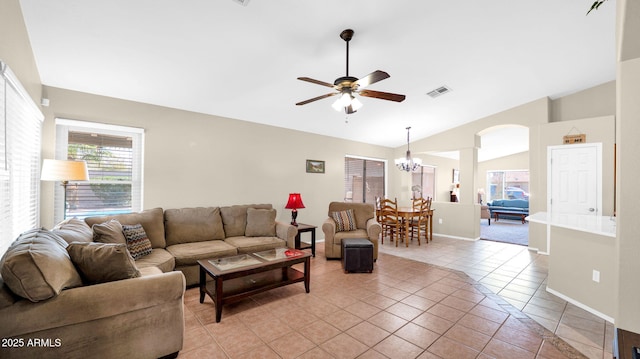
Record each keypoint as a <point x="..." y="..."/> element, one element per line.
<point x="423" y="182"/>
<point x="114" y="158"/>
<point x="507" y="185"/>
<point x="20" y="146"/>
<point x="364" y="179"/>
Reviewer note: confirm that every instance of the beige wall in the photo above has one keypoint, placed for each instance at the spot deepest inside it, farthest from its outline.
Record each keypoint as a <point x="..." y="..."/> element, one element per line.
<point x="193" y="159"/>
<point x="593" y="102"/>
<point x="15" y="48"/>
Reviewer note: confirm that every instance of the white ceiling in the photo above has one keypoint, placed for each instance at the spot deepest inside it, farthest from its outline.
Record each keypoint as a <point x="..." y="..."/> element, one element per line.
<point x="221" y="58"/>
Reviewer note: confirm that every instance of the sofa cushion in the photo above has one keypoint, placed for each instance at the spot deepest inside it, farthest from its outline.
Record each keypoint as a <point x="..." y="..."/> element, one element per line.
<point x="73" y="230"/>
<point x="37" y="267"/>
<point x="160" y="258"/>
<point x="108" y="232"/>
<point x="186" y="225"/>
<point x="234" y="218"/>
<point x="345" y="220"/>
<point x="261" y="222"/>
<point x="102" y="262"/>
<point x="190" y="253"/>
<point x="137" y="242"/>
<point x="255" y="244"/>
<point x="152" y="221"/>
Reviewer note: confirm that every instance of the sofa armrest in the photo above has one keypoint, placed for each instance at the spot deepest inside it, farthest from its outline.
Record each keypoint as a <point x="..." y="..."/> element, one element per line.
<point x="90" y="303"/>
<point x="373" y="228"/>
<point x="287" y="232"/>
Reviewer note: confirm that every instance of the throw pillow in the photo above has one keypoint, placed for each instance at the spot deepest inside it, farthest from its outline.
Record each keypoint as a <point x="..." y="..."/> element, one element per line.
<point x="73" y="230"/>
<point x="108" y="232"/>
<point x="103" y="262"/>
<point x="37" y="267"/>
<point x="137" y="242"/>
<point x="345" y="220"/>
<point x="261" y="223"/>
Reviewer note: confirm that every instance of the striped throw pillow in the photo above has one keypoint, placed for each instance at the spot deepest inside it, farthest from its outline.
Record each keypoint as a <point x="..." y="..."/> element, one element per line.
<point x="345" y="220"/>
<point x="138" y="243"/>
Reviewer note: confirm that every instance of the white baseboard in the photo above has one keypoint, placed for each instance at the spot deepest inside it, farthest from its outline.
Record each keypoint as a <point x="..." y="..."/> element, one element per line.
<point x="580" y="305"/>
<point x="456" y="237"/>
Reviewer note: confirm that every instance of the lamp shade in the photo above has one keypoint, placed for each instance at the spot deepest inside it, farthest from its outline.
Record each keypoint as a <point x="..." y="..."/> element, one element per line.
<point x="294" y="202"/>
<point x="64" y="170"/>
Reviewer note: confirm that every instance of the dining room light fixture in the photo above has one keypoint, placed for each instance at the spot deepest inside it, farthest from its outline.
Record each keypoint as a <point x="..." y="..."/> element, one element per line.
<point x="408" y="163"/>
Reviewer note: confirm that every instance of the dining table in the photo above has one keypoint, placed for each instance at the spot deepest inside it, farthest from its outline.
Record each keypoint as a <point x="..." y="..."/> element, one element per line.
<point x="407" y="213"/>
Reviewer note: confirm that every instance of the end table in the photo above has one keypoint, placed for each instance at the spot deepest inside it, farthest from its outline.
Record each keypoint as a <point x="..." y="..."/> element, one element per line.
<point x="302" y="228"/>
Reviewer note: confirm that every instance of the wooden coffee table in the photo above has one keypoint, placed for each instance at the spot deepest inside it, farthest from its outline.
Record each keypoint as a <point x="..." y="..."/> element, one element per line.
<point x="241" y="276"/>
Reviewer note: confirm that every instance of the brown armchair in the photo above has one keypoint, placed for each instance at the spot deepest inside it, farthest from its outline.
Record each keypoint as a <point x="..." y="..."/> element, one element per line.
<point x="366" y="227"/>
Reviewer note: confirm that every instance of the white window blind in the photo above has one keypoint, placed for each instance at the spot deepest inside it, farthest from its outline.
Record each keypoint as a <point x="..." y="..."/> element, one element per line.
<point x="364" y="179"/>
<point x="114" y="157"/>
<point x="20" y="142"/>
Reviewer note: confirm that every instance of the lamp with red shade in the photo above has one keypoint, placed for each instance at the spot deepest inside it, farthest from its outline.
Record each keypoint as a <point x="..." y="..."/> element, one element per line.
<point x="294" y="202"/>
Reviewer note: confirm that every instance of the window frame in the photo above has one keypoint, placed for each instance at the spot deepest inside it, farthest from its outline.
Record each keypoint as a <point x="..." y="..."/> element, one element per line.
<point x="64" y="126"/>
<point x="385" y="180"/>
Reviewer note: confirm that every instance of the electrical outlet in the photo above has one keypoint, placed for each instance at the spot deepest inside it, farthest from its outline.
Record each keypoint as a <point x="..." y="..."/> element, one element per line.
<point x="439" y="220"/>
<point x="596" y="276"/>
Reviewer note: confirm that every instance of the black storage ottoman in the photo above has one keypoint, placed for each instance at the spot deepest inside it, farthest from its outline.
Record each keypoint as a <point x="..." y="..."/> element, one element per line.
<point x="357" y="255"/>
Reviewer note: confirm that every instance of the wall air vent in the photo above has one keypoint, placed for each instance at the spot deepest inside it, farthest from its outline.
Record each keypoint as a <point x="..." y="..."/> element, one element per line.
<point x="242" y="2"/>
<point x="439" y="91"/>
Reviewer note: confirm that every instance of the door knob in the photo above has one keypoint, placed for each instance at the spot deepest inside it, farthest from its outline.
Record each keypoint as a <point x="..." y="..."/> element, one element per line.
<point x="592" y="209"/>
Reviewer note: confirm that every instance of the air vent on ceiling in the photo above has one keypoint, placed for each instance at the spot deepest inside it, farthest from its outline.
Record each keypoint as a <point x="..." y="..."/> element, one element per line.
<point x="242" y="2"/>
<point x="439" y="91"/>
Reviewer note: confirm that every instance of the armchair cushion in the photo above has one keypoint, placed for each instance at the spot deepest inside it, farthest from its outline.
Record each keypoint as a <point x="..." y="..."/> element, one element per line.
<point x="345" y="220"/>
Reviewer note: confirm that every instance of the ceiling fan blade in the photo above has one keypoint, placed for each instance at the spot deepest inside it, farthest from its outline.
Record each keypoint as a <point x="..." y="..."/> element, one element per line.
<point x="382" y="95"/>
<point x="314" y="81"/>
<point x="372" y="78"/>
<point x="316" y="98"/>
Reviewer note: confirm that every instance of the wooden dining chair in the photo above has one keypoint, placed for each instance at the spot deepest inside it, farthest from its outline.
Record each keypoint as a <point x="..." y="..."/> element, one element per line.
<point x="389" y="219"/>
<point x="420" y="222"/>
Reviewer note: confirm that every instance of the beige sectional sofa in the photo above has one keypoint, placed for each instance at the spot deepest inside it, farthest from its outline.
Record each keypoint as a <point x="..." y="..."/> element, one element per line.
<point x="51" y="305"/>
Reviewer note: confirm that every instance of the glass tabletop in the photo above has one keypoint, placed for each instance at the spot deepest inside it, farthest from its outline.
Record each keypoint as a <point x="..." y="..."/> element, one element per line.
<point x="279" y="253"/>
<point x="239" y="261"/>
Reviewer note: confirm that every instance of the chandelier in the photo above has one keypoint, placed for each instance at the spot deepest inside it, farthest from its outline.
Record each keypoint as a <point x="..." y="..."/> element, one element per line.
<point x="407" y="163"/>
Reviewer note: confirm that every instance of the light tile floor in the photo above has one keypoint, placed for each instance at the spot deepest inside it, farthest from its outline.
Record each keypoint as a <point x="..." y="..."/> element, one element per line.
<point x="519" y="276"/>
<point x="418" y="303"/>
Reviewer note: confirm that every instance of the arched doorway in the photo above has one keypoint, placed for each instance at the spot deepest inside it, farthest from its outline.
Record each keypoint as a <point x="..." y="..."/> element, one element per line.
<point x="503" y="181"/>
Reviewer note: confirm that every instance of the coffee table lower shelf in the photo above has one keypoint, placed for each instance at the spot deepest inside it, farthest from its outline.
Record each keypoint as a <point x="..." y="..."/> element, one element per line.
<point x="232" y="287"/>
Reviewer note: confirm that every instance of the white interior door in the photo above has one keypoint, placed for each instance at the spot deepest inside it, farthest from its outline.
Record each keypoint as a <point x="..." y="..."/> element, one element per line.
<point x="575" y="183"/>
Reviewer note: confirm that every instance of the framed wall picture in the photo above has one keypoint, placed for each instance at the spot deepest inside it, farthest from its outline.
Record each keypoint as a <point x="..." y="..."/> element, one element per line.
<point x="315" y="166"/>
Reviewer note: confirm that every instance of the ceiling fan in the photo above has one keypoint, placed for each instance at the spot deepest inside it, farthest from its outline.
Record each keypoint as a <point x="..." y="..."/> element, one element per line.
<point x="347" y="86"/>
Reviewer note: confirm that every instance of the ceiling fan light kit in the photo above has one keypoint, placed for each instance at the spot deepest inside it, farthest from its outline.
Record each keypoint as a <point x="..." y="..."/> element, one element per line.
<point x="348" y="86"/>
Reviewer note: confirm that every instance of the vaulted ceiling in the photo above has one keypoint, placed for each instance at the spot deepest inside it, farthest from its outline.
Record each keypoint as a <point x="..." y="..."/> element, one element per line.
<point x="239" y="61"/>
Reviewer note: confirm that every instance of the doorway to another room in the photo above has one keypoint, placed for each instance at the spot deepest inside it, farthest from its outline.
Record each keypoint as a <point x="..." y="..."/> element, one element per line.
<point x="507" y="199"/>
